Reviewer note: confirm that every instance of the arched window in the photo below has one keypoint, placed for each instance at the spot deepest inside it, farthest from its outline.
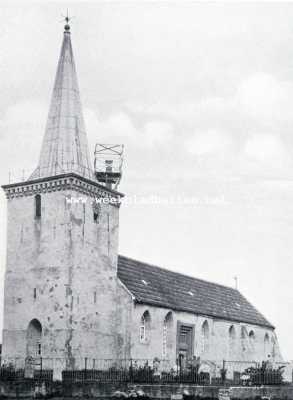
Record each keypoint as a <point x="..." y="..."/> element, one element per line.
<point x="205" y="334"/>
<point x="244" y="339"/>
<point x="168" y="321"/>
<point x="274" y="343"/>
<point x="34" y="338"/>
<point x="232" y="342"/>
<point x="144" y="329"/>
<point x="38" y="206"/>
<point x="251" y="337"/>
<point x="266" y="346"/>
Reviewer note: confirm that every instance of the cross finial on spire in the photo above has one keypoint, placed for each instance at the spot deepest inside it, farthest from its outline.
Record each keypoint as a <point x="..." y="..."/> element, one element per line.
<point x="66" y="19"/>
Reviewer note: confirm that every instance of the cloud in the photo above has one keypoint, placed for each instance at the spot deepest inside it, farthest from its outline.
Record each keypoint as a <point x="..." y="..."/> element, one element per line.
<point x="121" y="128"/>
<point x="265" y="98"/>
<point x="211" y="142"/>
<point x="19" y="124"/>
<point x="258" y="98"/>
<point x="248" y="129"/>
<point x="267" y="149"/>
<point x="157" y="132"/>
<point x="117" y="128"/>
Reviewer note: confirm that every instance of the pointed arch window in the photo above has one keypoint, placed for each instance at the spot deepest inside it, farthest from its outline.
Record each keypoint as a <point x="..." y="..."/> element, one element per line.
<point x="251" y="337"/>
<point x="144" y="329"/>
<point x="266" y="346"/>
<point x="38" y="206"/>
<point x="244" y="339"/>
<point x="167" y="325"/>
<point x="274" y="345"/>
<point x="205" y="335"/>
<point x="232" y="342"/>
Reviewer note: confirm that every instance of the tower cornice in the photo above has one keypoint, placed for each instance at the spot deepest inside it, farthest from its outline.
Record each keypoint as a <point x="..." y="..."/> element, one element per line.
<point x="69" y="181"/>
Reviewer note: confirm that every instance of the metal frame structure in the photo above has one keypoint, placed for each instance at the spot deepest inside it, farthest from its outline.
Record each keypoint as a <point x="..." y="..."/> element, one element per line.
<point x="108" y="164"/>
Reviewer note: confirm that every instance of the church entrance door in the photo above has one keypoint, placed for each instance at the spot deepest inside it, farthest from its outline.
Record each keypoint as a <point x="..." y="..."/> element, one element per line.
<point x="185" y="340"/>
<point x="34" y="337"/>
<point x="33" y="347"/>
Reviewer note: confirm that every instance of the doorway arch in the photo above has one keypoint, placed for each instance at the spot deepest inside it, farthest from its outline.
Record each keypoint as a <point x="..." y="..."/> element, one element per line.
<point x="34" y="339"/>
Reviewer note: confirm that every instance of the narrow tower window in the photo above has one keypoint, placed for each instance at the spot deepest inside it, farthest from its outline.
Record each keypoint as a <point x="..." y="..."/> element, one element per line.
<point x="96" y="212"/>
<point x="38" y="206"/>
<point x="95" y="297"/>
<point x="35" y="293"/>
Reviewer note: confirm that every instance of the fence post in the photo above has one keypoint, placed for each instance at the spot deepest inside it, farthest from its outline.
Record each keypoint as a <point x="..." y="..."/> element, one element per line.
<point x="85" y="363"/>
<point x="131" y="371"/>
<point x="223" y="372"/>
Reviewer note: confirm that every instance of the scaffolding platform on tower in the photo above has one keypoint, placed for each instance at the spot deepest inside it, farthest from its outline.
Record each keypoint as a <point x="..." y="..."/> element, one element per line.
<point x="108" y="163"/>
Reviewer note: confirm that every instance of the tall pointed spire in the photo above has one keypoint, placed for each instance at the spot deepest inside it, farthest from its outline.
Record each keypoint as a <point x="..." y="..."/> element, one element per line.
<point x="65" y="146"/>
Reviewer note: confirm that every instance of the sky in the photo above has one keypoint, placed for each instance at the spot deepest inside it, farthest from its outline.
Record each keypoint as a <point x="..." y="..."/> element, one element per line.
<point x="201" y="96"/>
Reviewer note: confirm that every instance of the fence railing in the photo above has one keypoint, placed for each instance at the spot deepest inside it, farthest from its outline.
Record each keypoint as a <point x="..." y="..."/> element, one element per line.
<point x="18" y="176"/>
<point x="195" y="371"/>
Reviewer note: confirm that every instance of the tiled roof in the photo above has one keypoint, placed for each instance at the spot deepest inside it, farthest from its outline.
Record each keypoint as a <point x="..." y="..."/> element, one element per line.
<point x="164" y="288"/>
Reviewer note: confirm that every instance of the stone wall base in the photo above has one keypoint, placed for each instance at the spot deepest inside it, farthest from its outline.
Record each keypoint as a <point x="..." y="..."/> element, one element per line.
<point x="95" y="390"/>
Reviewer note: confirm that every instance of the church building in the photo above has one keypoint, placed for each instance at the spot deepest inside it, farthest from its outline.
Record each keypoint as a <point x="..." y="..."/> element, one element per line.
<point x="68" y="293"/>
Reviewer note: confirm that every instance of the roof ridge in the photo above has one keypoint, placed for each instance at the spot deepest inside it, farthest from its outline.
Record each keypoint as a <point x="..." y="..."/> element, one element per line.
<point x="179" y="273"/>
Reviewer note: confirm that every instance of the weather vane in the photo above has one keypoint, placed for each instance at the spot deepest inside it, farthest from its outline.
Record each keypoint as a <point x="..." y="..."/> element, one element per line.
<point x="66" y="18"/>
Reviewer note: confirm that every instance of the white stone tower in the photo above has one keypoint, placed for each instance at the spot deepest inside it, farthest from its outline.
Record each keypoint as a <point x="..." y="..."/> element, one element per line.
<point x="61" y="275"/>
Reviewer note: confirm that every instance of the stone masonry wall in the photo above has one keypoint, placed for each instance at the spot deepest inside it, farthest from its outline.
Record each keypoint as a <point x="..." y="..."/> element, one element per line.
<point x="70" y="261"/>
<point x="217" y="347"/>
<point x="97" y="390"/>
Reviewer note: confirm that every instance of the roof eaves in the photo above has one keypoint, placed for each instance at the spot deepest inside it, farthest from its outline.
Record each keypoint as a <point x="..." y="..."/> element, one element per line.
<point x="127" y="290"/>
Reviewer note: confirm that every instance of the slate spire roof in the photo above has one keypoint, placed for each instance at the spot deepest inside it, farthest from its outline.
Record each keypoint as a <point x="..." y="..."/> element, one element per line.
<point x="164" y="288"/>
<point x="65" y="147"/>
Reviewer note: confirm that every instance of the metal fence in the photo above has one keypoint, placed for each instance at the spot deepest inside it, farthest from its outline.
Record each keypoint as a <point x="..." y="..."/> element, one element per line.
<point x="22" y="175"/>
<point x="252" y="373"/>
<point x="195" y="371"/>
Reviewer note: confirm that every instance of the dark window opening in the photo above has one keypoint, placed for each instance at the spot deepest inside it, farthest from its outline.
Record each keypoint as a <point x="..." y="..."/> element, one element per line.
<point x="39" y="349"/>
<point x="95" y="297"/>
<point x="38" y="204"/>
<point x="35" y="293"/>
<point x="96" y="217"/>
